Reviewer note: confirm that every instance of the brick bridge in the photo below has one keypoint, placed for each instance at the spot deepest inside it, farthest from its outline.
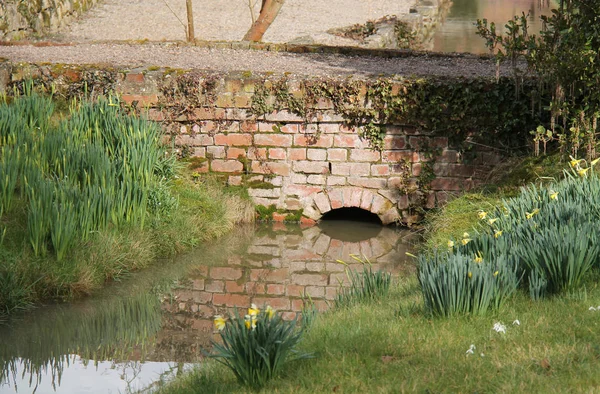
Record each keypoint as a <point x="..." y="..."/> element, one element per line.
<point x="288" y="162"/>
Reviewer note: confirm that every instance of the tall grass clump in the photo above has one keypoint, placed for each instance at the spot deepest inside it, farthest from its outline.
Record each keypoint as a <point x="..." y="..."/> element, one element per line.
<point x="256" y="347"/>
<point x="364" y="286"/>
<point x="547" y="236"/>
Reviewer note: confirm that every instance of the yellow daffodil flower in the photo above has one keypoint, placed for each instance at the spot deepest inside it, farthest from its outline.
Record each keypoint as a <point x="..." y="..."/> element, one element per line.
<point x="250" y="321"/>
<point x="466" y="235"/>
<point x="470" y="275"/>
<point x="574" y="162"/>
<point x="478" y="258"/>
<point x="532" y="214"/>
<point x="482" y="214"/>
<point x="466" y="241"/>
<point x="450" y="244"/>
<point x="492" y="221"/>
<point x="553" y="195"/>
<point x="593" y="163"/>
<point x="495" y="273"/>
<point x="497" y="233"/>
<point x="581" y="172"/>
<point x="270" y="311"/>
<point x="219" y="322"/>
<point x="253" y="310"/>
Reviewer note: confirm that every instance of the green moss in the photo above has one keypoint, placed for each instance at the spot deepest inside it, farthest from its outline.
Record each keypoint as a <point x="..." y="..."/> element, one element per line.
<point x="265" y="213"/>
<point x="259" y="185"/>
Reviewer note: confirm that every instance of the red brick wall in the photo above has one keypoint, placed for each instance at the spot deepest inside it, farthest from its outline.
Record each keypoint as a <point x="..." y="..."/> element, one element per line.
<point x="315" y="164"/>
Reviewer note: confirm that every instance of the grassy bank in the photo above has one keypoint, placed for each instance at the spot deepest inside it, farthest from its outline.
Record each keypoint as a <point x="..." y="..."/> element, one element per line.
<point x="90" y="194"/>
<point x="400" y="344"/>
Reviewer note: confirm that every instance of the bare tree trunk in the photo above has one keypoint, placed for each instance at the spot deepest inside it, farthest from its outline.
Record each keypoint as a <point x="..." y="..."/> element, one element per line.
<point x="190" y="20"/>
<point x="268" y="13"/>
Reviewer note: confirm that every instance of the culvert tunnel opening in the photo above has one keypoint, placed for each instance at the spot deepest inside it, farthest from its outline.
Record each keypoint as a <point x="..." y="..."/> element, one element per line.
<point x="350" y="224"/>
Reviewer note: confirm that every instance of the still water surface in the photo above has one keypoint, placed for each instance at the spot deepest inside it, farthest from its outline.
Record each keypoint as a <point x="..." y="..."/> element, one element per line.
<point x="157" y="323"/>
<point x="458" y="32"/>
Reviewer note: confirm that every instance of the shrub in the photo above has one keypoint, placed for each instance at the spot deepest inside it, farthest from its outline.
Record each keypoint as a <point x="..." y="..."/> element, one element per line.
<point x="256" y="347"/>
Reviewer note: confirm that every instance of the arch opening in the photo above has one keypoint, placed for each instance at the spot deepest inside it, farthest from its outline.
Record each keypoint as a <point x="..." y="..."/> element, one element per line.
<point x="350" y="224"/>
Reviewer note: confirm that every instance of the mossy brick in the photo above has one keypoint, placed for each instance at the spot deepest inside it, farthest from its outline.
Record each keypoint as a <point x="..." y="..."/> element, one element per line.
<point x="255" y="153"/>
<point x="242" y="101"/>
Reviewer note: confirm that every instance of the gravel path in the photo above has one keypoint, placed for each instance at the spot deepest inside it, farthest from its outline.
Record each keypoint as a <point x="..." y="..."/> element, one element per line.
<point x="224" y="20"/>
<point x="189" y="57"/>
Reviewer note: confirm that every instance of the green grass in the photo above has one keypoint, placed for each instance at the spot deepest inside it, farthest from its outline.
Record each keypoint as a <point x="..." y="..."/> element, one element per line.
<point x="391" y="346"/>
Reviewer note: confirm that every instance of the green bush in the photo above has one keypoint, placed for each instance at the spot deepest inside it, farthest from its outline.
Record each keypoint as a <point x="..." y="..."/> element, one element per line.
<point x="256" y="347"/>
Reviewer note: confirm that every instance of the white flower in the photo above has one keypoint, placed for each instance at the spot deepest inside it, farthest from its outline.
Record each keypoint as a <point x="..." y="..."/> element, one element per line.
<point x="516" y="323"/>
<point x="592" y="308"/>
<point x="499" y="327"/>
<point x="471" y="349"/>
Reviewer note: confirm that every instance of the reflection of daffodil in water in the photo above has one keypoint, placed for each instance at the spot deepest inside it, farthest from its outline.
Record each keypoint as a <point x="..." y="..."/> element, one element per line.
<point x="478" y="258"/>
<point x="219" y="322"/>
<point x="482" y="214"/>
<point x="553" y="195"/>
<point x="270" y="311"/>
<point x="497" y="233"/>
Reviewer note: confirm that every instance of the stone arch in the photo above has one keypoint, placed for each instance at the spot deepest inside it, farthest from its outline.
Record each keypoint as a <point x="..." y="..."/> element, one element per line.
<point x="352" y="197"/>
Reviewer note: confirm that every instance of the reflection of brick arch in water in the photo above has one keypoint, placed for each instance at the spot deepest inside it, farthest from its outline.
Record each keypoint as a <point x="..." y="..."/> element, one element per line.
<point x="353" y="197"/>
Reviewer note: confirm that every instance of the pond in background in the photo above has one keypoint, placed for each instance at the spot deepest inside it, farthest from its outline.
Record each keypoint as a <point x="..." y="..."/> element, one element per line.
<point x="157" y="323"/>
<point x="458" y="32"/>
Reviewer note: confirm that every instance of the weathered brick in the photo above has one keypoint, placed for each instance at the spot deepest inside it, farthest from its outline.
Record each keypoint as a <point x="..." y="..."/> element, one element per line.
<point x="255" y="288"/>
<point x="337" y="154"/>
<point x="290" y="128"/>
<point x="300" y="254"/>
<point x="315" y="291"/>
<point x="380" y="204"/>
<point x="322" y="202"/>
<point x="275" y="289"/>
<point x="316" y="154"/>
<point x="336" y="181"/>
<point x="276" y="168"/>
<point x="336" y="199"/>
<point x="371" y="183"/>
<point x="310" y="279"/>
<point x="315" y="266"/>
<point x="394" y="142"/>
<point x="360" y="169"/>
<point x="301" y="190"/>
<point x="269" y="193"/>
<point x="299" y="179"/>
<point x="322" y="141"/>
<point x="446" y="184"/>
<point x="277" y="303"/>
<point x="214" y="286"/>
<point x="316" y="179"/>
<point x="294" y="290"/>
<point x="142" y="99"/>
<point x="231" y="300"/>
<point x="390" y="216"/>
<point x="200" y="152"/>
<point x="234" y="287"/>
<point x="234" y="153"/>
<point x="340" y="169"/>
<point x="417" y="143"/>
<point x="396" y="156"/>
<point x="380" y="169"/>
<point x="234" y="180"/>
<point x="233" y="139"/>
<point x="349" y="141"/>
<point x="297" y="153"/>
<point x="365" y="155"/>
<point x="273" y="140"/>
<point x="227" y="273"/>
<point x="367" y="200"/>
<point x="311" y="167"/>
<point x="440" y="142"/>
<point x="209" y="113"/>
<point x="226" y="166"/>
<point x="355" y="197"/>
<point x="277" y="154"/>
<point x="255" y="153"/>
<point x="331" y="293"/>
<point x="279" y="217"/>
<point x="248" y="126"/>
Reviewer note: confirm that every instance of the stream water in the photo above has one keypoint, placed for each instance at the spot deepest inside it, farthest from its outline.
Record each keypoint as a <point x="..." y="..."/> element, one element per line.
<point x="156" y="324"/>
<point x="458" y="32"/>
